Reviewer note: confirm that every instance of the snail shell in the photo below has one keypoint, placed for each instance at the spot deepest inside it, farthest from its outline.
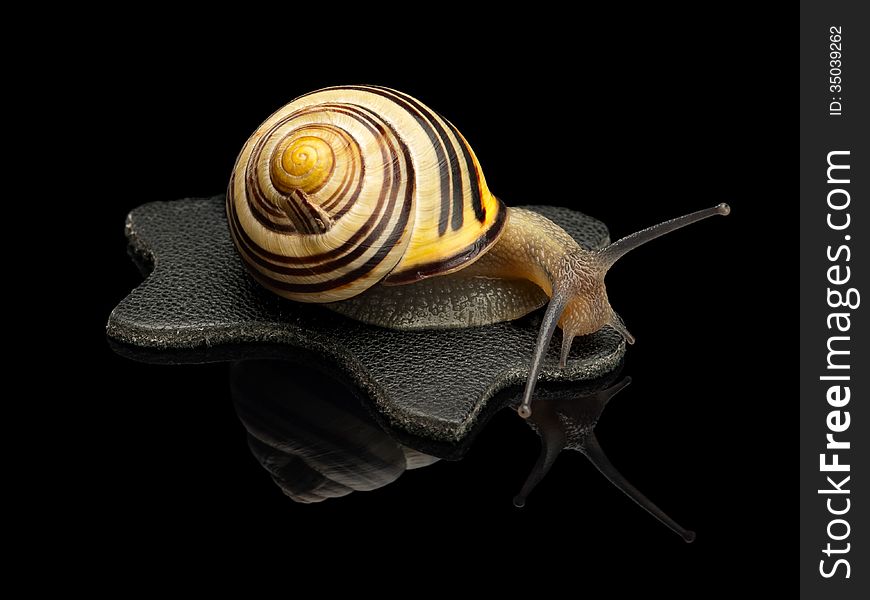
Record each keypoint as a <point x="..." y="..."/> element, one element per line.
<point x="348" y="186"/>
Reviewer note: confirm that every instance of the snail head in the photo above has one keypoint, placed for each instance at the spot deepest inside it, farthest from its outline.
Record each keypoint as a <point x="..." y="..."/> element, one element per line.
<point x="579" y="300"/>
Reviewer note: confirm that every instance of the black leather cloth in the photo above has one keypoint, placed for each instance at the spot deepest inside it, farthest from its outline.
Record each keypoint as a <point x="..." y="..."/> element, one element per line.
<point x="198" y="304"/>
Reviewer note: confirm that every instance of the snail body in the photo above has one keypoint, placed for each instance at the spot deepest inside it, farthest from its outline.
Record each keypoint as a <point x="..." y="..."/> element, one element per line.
<point x="349" y="195"/>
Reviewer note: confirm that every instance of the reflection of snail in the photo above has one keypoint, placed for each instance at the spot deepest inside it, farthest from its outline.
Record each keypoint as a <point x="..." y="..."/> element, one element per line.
<point x="310" y="435"/>
<point x="566" y="421"/>
<point x="362" y="194"/>
<point x="317" y="441"/>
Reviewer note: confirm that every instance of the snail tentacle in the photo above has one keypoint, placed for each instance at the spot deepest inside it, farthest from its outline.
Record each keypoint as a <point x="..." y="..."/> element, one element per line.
<point x="581" y="302"/>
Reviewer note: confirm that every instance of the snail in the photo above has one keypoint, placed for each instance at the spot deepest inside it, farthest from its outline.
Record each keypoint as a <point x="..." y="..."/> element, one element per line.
<point x="350" y="194"/>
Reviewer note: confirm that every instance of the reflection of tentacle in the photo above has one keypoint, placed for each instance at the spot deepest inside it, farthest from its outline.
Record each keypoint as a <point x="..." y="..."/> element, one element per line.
<point x="597" y="457"/>
<point x="312" y="436"/>
<point x="566" y="419"/>
<point x="566" y="416"/>
<point x="552" y="443"/>
<point x="614" y="389"/>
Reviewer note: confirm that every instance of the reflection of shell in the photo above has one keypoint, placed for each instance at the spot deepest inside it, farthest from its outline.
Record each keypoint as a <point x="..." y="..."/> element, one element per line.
<point x="312" y="437"/>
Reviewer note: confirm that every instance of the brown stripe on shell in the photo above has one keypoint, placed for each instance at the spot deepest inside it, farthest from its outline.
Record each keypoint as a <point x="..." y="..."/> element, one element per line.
<point x="350" y="173"/>
<point x="474" y="180"/>
<point x="354" y="249"/>
<point x="342" y="201"/>
<point x="375" y="259"/>
<point x="259" y="205"/>
<point x="395" y="183"/>
<point x="375" y="130"/>
<point x="434" y="140"/>
<point x="409" y="103"/>
<point x="452" y="263"/>
<point x="254" y="249"/>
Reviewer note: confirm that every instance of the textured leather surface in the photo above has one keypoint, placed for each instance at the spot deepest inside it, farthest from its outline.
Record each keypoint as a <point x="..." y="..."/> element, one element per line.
<point x="199" y="305"/>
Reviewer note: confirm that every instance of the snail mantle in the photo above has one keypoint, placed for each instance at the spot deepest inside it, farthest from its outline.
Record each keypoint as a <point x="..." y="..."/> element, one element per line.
<point x="198" y="304"/>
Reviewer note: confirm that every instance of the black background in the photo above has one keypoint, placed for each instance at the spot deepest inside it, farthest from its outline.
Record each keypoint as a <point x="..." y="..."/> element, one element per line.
<point x="646" y="121"/>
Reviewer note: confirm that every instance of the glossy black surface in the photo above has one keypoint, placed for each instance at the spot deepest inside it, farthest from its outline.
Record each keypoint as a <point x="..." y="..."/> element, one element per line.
<point x="320" y="438"/>
<point x="669" y="120"/>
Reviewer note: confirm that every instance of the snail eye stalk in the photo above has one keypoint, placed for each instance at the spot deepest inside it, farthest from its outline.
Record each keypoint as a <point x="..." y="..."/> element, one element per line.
<point x="564" y="290"/>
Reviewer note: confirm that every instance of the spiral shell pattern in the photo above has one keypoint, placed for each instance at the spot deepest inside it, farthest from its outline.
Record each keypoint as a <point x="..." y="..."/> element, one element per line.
<point x="350" y="186"/>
